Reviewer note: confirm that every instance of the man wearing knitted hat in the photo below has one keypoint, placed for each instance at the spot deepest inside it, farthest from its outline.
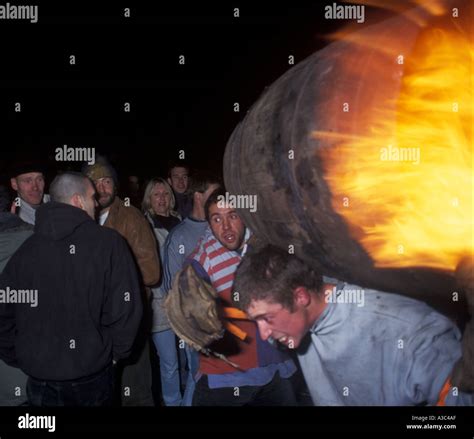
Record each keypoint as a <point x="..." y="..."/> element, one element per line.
<point x="132" y="225"/>
<point x="104" y="178"/>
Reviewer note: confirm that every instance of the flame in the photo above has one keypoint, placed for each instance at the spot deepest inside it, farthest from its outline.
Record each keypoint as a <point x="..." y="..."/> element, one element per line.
<point x="404" y="184"/>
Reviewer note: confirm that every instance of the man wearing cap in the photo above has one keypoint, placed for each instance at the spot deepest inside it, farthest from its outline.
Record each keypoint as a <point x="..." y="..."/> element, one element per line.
<point x="132" y="225"/>
<point x="27" y="180"/>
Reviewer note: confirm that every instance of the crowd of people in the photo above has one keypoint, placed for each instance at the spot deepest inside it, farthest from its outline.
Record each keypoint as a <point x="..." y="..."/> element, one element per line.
<point x="102" y="266"/>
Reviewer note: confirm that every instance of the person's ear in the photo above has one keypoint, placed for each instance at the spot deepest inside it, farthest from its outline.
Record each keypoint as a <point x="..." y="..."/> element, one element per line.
<point x="77" y="201"/>
<point x="14" y="184"/>
<point x="301" y="296"/>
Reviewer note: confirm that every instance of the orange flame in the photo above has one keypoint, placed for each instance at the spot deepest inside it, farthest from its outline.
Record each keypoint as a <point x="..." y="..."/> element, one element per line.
<point x="405" y="185"/>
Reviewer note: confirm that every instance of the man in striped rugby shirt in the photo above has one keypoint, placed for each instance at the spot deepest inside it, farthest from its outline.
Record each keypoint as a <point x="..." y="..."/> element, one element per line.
<point x="262" y="376"/>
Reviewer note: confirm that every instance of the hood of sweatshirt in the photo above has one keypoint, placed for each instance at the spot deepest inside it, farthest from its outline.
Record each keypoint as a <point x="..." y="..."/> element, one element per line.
<point x="59" y="220"/>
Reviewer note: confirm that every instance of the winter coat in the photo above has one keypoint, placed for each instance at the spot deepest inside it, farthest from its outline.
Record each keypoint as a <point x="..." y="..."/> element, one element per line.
<point x="13" y="232"/>
<point x="132" y="225"/>
<point x="88" y="305"/>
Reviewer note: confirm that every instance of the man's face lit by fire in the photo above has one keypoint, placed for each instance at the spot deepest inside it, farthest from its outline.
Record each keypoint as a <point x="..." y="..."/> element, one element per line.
<point x="282" y="324"/>
<point x="227" y="226"/>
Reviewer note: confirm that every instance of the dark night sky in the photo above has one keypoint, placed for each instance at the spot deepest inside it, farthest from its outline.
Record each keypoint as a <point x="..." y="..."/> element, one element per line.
<point x="135" y="60"/>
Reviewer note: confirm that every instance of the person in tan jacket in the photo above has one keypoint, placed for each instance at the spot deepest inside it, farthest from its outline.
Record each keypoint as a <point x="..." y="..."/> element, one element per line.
<point x="120" y="215"/>
<point x="132" y="225"/>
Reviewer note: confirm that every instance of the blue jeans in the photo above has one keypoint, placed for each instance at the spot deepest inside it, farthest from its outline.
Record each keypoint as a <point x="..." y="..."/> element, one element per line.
<point x="192" y="358"/>
<point x="93" y="391"/>
<point x="165" y="343"/>
<point x="183" y="361"/>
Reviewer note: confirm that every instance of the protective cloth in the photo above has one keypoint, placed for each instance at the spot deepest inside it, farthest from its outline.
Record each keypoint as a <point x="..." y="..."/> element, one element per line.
<point x="194" y="313"/>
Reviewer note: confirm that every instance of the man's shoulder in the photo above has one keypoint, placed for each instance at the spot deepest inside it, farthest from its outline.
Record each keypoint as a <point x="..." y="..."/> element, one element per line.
<point x="12" y="241"/>
<point x="129" y="208"/>
<point x="128" y="212"/>
<point x="106" y="232"/>
<point x="185" y="230"/>
<point x="101" y="233"/>
<point x="207" y="243"/>
<point x="178" y="230"/>
<point x="405" y="310"/>
<point x="388" y="300"/>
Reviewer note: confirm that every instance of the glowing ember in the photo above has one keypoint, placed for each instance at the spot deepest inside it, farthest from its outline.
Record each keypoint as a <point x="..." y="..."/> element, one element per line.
<point x="404" y="184"/>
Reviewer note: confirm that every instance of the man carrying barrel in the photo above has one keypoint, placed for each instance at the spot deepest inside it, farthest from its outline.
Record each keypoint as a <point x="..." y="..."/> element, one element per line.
<point x="384" y="350"/>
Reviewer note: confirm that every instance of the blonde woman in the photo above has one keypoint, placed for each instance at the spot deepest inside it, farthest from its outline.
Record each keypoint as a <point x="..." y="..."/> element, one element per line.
<point x="158" y="204"/>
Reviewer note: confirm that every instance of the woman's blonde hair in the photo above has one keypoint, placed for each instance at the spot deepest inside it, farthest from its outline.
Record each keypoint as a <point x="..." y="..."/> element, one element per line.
<point x="146" y="203"/>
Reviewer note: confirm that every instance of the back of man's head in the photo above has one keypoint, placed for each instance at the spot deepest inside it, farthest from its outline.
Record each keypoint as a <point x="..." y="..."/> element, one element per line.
<point x="201" y="182"/>
<point x="270" y="273"/>
<point x="66" y="185"/>
<point x="214" y="198"/>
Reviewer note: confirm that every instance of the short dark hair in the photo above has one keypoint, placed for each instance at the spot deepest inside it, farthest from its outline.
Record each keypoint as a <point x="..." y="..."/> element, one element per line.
<point x="213" y="199"/>
<point x="177" y="164"/>
<point x="65" y="185"/>
<point x="201" y="181"/>
<point x="272" y="274"/>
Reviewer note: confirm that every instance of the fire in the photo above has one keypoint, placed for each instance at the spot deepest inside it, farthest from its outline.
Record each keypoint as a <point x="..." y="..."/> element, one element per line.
<point x="404" y="183"/>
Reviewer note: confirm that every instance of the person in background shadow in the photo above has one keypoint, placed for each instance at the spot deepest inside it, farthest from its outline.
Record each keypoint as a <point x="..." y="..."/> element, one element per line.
<point x="13" y="232"/>
<point x="178" y="179"/>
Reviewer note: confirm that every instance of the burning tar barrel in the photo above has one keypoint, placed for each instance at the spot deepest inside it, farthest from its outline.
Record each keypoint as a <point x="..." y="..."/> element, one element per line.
<point x="360" y="156"/>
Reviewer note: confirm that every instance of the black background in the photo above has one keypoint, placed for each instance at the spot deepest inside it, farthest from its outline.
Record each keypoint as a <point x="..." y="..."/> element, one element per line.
<point x="244" y="421"/>
<point x="173" y="107"/>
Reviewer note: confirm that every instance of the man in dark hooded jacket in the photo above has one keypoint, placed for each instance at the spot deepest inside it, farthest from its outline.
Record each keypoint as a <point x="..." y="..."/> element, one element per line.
<point x="69" y="301"/>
